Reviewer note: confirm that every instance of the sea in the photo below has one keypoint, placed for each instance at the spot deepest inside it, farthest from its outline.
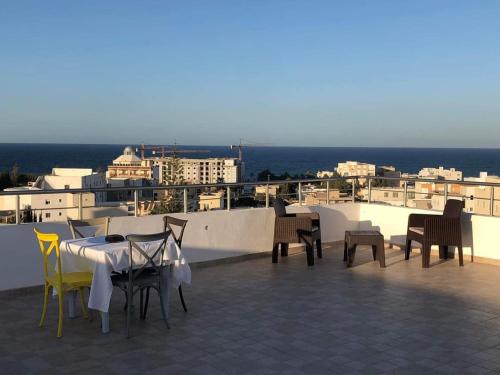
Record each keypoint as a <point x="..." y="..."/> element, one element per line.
<point x="38" y="158"/>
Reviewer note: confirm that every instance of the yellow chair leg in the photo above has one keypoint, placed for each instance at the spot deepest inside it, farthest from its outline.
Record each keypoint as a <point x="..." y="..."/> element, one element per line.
<point x="45" y="303"/>
<point x="82" y="302"/>
<point x="61" y="308"/>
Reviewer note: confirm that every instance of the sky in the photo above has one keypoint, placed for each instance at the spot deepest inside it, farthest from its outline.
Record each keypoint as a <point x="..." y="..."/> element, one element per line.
<point x="282" y="73"/>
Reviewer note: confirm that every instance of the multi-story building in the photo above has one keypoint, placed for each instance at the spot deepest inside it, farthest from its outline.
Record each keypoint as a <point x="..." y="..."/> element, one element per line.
<point x="198" y="171"/>
<point x="479" y="197"/>
<point x="441" y="173"/>
<point x="58" y="206"/>
<point x="130" y="166"/>
<point x="73" y="178"/>
<point x="356" y="168"/>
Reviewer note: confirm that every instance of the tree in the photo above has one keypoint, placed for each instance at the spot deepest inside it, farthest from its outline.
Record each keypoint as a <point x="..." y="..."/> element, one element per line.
<point x="172" y="200"/>
<point x="14" y="175"/>
<point x="5" y="181"/>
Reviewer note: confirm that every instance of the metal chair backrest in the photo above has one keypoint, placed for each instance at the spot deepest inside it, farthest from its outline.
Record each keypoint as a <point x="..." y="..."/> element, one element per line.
<point x="152" y="260"/>
<point x="279" y="207"/>
<point x="170" y="222"/>
<point x="49" y="242"/>
<point x="453" y="208"/>
<point x="102" y="225"/>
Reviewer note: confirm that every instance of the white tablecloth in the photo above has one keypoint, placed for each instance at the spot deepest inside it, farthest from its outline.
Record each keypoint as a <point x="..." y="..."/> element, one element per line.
<point x="95" y="255"/>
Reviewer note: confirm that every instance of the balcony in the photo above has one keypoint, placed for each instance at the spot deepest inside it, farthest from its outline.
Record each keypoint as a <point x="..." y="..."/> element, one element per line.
<point x="247" y="315"/>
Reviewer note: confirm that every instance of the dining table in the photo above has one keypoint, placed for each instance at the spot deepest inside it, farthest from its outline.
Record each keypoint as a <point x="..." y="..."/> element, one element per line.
<point x="103" y="259"/>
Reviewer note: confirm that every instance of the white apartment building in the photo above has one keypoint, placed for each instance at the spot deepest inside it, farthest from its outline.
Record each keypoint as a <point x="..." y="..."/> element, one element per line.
<point x="356" y="168"/>
<point x="57" y="206"/>
<point x="200" y="171"/>
<point x="441" y="173"/>
<point x="73" y="178"/>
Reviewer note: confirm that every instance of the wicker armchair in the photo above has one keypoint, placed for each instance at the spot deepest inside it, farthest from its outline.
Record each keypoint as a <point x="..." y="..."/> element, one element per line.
<point x="443" y="230"/>
<point x="296" y="228"/>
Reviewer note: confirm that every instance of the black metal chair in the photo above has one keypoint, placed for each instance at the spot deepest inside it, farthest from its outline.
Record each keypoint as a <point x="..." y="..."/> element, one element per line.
<point x="101" y="224"/>
<point x="169" y="222"/>
<point x="144" y="274"/>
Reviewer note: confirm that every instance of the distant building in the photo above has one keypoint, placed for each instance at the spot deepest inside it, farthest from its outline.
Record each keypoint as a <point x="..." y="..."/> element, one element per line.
<point x="441" y="173"/>
<point x="199" y="171"/>
<point x="479" y="201"/>
<point x="323" y="174"/>
<point x="260" y="191"/>
<point x="64" y="205"/>
<point x="130" y="166"/>
<point x="356" y="168"/>
<point x="211" y="201"/>
<point x="319" y="196"/>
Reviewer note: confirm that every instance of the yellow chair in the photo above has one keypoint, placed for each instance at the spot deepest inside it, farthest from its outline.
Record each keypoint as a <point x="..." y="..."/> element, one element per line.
<point x="61" y="282"/>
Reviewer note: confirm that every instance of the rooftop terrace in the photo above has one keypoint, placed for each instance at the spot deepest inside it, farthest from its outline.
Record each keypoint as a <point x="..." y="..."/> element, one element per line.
<point x="249" y="316"/>
<point x="254" y="317"/>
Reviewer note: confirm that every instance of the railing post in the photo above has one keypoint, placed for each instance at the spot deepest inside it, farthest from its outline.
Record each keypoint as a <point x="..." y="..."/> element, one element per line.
<point x="405" y="195"/>
<point x="492" y="200"/>
<point x="300" y="193"/>
<point x="18" y="209"/>
<point x="185" y="200"/>
<point x="369" y="190"/>
<point x="80" y="206"/>
<point x="267" y="196"/>
<point x="353" y="190"/>
<point x="228" y="198"/>
<point x="445" y="193"/>
<point x="136" y="203"/>
<point x="328" y="192"/>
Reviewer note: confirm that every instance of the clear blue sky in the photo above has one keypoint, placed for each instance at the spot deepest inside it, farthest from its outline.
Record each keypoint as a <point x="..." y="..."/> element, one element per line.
<point x="321" y="73"/>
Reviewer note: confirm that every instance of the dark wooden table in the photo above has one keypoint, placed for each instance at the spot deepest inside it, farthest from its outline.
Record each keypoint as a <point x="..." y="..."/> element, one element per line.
<point x="372" y="238"/>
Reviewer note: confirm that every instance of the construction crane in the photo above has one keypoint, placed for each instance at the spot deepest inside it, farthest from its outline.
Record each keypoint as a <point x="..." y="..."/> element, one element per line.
<point x="164" y="150"/>
<point x="245" y="144"/>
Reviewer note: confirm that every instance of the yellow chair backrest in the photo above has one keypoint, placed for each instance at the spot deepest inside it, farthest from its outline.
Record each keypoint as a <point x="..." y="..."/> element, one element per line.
<point x="49" y="242"/>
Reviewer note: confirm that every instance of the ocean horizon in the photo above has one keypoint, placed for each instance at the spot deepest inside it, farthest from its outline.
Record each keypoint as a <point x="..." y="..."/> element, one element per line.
<point x="40" y="158"/>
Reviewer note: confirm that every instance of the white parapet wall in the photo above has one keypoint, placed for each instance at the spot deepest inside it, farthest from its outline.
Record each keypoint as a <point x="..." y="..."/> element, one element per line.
<point x="208" y="236"/>
<point x="221" y="234"/>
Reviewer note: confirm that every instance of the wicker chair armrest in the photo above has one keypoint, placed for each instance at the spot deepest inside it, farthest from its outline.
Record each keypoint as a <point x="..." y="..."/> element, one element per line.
<point x="418" y="220"/>
<point x="442" y="230"/>
<point x="314" y="216"/>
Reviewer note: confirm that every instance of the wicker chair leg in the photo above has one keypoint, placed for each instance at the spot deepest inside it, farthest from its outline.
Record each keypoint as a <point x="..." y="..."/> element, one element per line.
<point x="345" y="251"/>
<point x="426" y="256"/>
<point x="275" y="253"/>
<point x="443" y="250"/>
<point x="319" y="249"/>
<point x="408" y="249"/>
<point x="374" y="252"/>
<point x="284" y="249"/>
<point x="460" y="255"/>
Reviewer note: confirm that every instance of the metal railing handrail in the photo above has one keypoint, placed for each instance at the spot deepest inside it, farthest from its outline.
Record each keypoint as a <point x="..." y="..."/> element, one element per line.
<point x="232" y="187"/>
<point x="241" y="184"/>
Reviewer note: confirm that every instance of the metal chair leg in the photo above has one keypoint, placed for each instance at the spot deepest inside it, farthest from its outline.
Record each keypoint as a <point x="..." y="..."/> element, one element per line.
<point x="182" y="299"/>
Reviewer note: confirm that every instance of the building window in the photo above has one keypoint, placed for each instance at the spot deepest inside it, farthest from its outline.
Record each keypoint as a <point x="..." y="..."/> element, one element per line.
<point x="66" y="187"/>
<point x="395" y="194"/>
<point x="47" y="201"/>
<point x="47" y="215"/>
<point x="386" y="195"/>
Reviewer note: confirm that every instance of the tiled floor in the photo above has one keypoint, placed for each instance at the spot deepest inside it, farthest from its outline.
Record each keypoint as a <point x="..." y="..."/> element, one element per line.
<point x="255" y="317"/>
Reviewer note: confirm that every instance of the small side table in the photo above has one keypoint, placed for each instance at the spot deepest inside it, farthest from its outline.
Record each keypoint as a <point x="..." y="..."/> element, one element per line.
<point x="373" y="238"/>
